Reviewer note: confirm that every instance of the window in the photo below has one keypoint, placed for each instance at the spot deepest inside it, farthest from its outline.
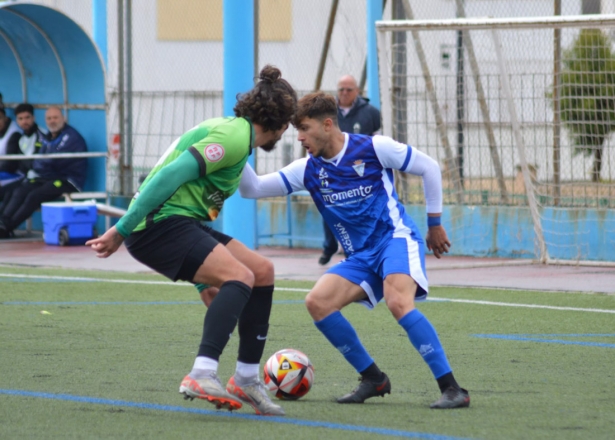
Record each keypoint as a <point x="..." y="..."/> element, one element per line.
<point x="201" y="20"/>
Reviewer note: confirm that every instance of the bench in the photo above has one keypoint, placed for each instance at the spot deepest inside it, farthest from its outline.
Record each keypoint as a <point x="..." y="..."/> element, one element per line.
<point x="70" y="197"/>
<point x="103" y="208"/>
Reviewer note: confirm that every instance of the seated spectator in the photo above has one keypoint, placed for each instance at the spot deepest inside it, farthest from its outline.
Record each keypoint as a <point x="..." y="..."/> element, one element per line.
<point x="53" y="176"/>
<point x="27" y="143"/>
<point x="8" y="133"/>
<point x="8" y="128"/>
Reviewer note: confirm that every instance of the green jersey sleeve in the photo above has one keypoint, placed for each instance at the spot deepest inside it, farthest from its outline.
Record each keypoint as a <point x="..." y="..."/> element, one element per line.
<point x="162" y="186"/>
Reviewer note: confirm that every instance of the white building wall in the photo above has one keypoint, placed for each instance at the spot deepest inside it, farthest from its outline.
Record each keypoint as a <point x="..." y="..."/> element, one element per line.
<point x="197" y="65"/>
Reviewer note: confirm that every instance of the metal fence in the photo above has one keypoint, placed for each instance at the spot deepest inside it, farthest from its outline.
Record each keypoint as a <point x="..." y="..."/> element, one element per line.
<point x="160" y="118"/>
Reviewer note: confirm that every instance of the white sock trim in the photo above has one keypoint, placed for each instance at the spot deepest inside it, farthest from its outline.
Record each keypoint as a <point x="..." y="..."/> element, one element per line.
<point x="247" y="370"/>
<point x="205" y="363"/>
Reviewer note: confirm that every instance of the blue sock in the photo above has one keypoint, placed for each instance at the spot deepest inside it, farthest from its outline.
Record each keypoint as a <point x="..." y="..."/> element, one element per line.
<point x="425" y="339"/>
<point x="342" y="335"/>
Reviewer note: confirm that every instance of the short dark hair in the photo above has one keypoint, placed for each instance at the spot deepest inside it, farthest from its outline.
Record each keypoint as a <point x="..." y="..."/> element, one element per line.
<point x="271" y="103"/>
<point x="2" y="111"/>
<point x="316" y="105"/>
<point x="24" y="107"/>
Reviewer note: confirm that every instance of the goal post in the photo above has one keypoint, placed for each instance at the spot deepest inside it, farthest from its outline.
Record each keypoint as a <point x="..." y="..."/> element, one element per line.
<point x="488" y="98"/>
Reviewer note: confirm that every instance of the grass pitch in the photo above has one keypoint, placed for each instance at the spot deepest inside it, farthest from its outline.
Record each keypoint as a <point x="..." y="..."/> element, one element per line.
<point x="107" y="358"/>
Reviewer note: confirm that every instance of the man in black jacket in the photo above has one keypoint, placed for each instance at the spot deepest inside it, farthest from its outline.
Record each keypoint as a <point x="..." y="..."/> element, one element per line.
<point x="51" y="177"/>
<point x="8" y="128"/>
<point x="27" y="142"/>
<point x="354" y="115"/>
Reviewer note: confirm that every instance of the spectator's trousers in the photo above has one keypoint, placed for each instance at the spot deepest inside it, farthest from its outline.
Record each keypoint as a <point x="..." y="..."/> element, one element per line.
<point x="27" y="198"/>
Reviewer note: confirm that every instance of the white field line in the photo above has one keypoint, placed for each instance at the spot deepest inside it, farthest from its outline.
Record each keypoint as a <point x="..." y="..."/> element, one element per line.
<point x="288" y="289"/>
<point x="528" y="306"/>
<point x="101" y="280"/>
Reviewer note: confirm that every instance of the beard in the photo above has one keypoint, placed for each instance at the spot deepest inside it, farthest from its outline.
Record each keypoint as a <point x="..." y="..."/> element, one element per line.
<point x="269" y="146"/>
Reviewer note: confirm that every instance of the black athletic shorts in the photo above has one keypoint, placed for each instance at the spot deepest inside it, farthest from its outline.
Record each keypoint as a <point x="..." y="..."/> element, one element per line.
<point x="175" y="247"/>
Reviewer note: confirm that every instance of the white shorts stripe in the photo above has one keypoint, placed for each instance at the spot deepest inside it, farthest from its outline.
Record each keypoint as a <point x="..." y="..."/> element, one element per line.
<point x="416" y="270"/>
<point x="370" y="293"/>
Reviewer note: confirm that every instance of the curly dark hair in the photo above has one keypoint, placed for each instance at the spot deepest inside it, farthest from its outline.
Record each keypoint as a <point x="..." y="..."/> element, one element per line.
<point x="316" y="105"/>
<point x="271" y="103"/>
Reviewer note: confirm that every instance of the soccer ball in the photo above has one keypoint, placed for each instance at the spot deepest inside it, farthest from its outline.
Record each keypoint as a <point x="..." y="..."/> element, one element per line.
<point x="288" y="374"/>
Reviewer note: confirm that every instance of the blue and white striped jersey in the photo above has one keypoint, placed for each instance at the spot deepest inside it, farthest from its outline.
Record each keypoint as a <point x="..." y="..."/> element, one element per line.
<point x="355" y="191"/>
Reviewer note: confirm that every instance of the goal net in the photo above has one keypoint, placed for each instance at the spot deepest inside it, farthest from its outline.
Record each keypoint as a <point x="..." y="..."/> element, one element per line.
<point x="519" y="113"/>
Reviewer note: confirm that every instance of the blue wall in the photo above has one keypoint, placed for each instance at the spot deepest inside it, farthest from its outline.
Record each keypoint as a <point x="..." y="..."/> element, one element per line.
<point x="479" y="231"/>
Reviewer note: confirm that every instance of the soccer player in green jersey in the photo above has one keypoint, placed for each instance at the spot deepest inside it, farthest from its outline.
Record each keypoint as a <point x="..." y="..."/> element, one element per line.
<point x="162" y="229"/>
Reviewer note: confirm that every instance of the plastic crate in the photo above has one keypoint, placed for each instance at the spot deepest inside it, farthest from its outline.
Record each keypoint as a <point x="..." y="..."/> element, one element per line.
<point x="67" y="223"/>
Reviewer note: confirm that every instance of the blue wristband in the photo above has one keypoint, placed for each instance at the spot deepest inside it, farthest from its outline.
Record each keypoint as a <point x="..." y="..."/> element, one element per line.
<point x="433" y="221"/>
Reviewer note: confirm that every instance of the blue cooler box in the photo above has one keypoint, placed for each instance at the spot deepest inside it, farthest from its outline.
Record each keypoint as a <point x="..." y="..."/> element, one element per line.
<point x="67" y="223"/>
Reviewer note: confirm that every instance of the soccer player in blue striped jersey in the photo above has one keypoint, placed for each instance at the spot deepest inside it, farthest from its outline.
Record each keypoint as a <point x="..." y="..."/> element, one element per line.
<point x="350" y="178"/>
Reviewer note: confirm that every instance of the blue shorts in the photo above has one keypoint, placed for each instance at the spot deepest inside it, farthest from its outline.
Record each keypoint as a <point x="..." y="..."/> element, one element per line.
<point x="402" y="254"/>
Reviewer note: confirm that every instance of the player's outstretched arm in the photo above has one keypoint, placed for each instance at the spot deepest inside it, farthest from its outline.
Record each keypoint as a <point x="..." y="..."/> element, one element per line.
<point x="253" y="186"/>
<point x="106" y="244"/>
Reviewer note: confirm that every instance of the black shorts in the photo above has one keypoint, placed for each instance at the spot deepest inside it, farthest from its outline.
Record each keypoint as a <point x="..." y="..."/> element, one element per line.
<point x="175" y="247"/>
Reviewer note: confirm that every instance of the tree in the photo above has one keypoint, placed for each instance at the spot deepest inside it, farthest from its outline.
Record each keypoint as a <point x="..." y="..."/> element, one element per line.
<point x="587" y="97"/>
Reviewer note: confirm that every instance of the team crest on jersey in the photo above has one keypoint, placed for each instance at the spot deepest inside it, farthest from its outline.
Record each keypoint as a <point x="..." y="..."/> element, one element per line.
<point x="323" y="176"/>
<point x="214" y="152"/>
<point x="359" y="167"/>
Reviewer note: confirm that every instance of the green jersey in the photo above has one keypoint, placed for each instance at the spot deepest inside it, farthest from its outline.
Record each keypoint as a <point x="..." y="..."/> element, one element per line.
<point x="221" y="147"/>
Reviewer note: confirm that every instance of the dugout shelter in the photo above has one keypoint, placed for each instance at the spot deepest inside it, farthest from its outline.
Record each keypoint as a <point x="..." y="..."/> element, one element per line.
<point x="47" y="59"/>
